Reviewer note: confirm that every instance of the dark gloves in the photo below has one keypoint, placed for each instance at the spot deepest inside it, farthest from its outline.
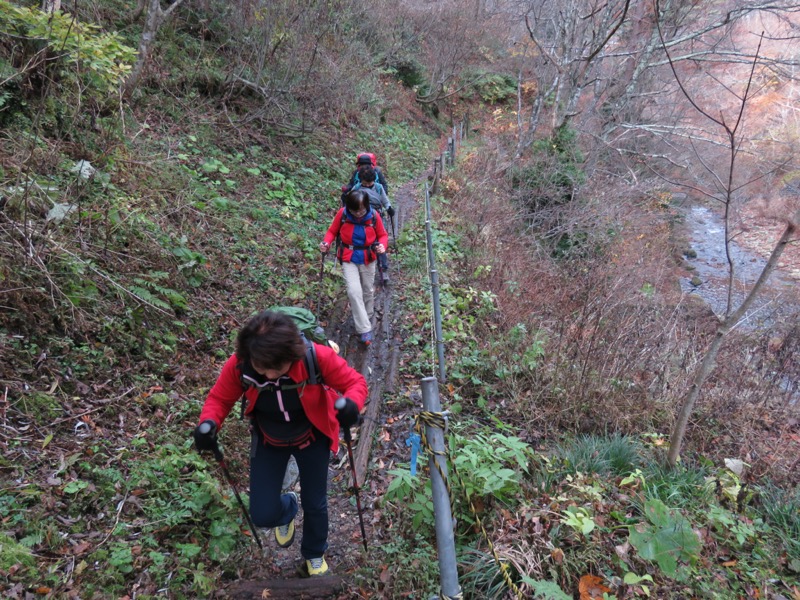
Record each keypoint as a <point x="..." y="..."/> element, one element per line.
<point x="205" y="436"/>
<point x="390" y="211"/>
<point x="347" y="415"/>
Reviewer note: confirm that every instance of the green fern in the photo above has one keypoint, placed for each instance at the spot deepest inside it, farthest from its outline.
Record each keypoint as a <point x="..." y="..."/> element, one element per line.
<point x="175" y="298"/>
<point x="145" y="295"/>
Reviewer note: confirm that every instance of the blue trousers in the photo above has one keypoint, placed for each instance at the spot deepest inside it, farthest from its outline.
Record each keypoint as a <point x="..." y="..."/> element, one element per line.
<point x="270" y="508"/>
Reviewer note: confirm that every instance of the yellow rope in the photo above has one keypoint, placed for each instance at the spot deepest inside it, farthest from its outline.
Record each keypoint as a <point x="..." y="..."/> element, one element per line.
<point x="439" y="421"/>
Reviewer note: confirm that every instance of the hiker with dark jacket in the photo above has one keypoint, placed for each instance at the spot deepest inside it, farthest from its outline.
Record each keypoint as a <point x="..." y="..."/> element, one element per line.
<point x="379" y="201"/>
<point x="288" y="417"/>
<point x="361" y="237"/>
<point x="364" y="161"/>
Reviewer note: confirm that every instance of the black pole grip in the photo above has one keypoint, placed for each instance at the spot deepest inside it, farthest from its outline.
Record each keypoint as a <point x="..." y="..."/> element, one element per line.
<point x="204" y="428"/>
<point x="339" y="405"/>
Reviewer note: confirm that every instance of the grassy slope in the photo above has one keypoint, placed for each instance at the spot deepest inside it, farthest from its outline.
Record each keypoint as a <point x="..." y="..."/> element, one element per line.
<point x="115" y="326"/>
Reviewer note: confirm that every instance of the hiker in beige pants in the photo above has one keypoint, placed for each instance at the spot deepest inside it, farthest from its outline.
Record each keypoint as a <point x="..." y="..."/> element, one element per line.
<point x="360" y="236"/>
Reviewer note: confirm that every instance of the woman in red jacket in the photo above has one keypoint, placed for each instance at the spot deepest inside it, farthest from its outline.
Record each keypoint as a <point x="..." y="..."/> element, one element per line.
<point x="289" y="417"/>
<point x="361" y="237"/>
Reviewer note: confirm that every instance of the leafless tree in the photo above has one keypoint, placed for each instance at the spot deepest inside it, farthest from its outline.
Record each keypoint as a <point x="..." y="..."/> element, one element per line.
<point x="300" y="59"/>
<point x="603" y="62"/>
<point x="568" y="41"/>
<point x="450" y="42"/>
<point x="719" y="154"/>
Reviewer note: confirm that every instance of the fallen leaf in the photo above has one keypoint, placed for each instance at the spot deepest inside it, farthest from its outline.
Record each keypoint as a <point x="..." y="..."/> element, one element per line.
<point x="80" y="548"/>
<point x="385" y="576"/>
<point x="557" y="554"/>
<point x="735" y="465"/>
<point x="730" y="563"/>
<point x="266" y="593"/>
<point x="591" y="587"/>
<point x="622" y="550"/>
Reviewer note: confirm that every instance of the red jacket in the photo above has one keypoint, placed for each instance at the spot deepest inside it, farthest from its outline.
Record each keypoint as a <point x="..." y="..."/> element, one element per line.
<point x="317" y="400"/>
<point x="357" y="235"/>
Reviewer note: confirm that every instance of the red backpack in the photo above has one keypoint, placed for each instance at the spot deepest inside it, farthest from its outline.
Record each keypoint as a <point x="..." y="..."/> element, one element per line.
<point x="366" y="158"/>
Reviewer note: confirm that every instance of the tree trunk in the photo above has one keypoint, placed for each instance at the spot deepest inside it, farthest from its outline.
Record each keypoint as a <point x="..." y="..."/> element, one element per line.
<point x="153" y="20"/>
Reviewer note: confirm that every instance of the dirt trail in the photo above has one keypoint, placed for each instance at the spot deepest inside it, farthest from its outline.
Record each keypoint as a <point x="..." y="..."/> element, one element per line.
<point x="274" y="572"/>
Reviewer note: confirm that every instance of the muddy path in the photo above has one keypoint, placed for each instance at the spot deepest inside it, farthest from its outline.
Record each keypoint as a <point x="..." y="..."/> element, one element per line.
<point x="272" y="573"/>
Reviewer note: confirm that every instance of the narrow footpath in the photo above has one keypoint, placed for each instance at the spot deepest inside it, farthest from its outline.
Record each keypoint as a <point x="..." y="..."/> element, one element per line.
<point x="273" y="575"/>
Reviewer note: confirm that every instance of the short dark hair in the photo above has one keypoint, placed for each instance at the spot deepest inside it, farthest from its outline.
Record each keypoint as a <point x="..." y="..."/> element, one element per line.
<point x="367" y="175"/>
<point x="269" y="340"/>
<point x="356" y="200"/>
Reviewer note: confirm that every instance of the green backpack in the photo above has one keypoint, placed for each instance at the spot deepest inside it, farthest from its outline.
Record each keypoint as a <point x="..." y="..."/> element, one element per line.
<point x="306" y="322"/>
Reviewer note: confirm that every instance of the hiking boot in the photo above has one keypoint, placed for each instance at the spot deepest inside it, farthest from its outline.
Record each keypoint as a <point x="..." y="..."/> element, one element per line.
<point x="284" y="534"/>
<point x="313" y="567"/>
<point x="366" y="338"/>
<point x="385" y="278"/>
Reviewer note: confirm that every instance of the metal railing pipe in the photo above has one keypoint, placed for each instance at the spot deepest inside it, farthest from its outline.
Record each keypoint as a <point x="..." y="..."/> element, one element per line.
<point x="445" y="536"/>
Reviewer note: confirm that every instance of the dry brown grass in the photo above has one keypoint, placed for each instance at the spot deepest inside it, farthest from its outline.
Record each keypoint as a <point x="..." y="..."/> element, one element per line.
<point x="622" y="341"/>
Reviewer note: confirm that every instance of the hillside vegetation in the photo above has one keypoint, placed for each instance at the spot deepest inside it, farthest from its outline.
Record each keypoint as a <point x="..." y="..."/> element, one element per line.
<point x="154" y="195"/>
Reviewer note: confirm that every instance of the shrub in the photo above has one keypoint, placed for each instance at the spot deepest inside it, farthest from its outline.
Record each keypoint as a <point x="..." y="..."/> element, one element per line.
<point x="55" y="45"/>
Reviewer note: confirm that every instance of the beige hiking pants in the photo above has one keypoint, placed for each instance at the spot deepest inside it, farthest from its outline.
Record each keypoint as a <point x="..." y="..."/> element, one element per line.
<point x="360" y="280"/>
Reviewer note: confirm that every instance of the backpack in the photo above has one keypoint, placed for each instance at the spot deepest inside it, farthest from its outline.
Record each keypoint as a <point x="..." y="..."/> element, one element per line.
<point x="364" y="156"/>
<point x="355" y="179"/>
<point x="340" y="244"/>
<point x="311" y="331"/>
<point x="306" y="322"/>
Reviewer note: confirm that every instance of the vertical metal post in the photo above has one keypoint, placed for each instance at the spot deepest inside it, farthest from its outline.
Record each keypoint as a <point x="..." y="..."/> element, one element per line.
<point x="428" y="203"/>
<point x="445" y="536"/>
<point x="437" y="309"/>
<point x="437" y="321"/>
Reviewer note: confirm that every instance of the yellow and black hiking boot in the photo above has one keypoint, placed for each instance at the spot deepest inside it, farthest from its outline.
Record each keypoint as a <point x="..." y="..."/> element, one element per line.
<point x="284" y="534"/>
<point x="313" y="567"/>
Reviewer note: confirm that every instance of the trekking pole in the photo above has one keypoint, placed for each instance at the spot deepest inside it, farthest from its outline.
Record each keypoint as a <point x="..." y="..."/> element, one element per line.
<point x="380" y="266"/>
<point x="205" y="428"/>
<point x="348" y="439"/>
<point x="319" y="284"/>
